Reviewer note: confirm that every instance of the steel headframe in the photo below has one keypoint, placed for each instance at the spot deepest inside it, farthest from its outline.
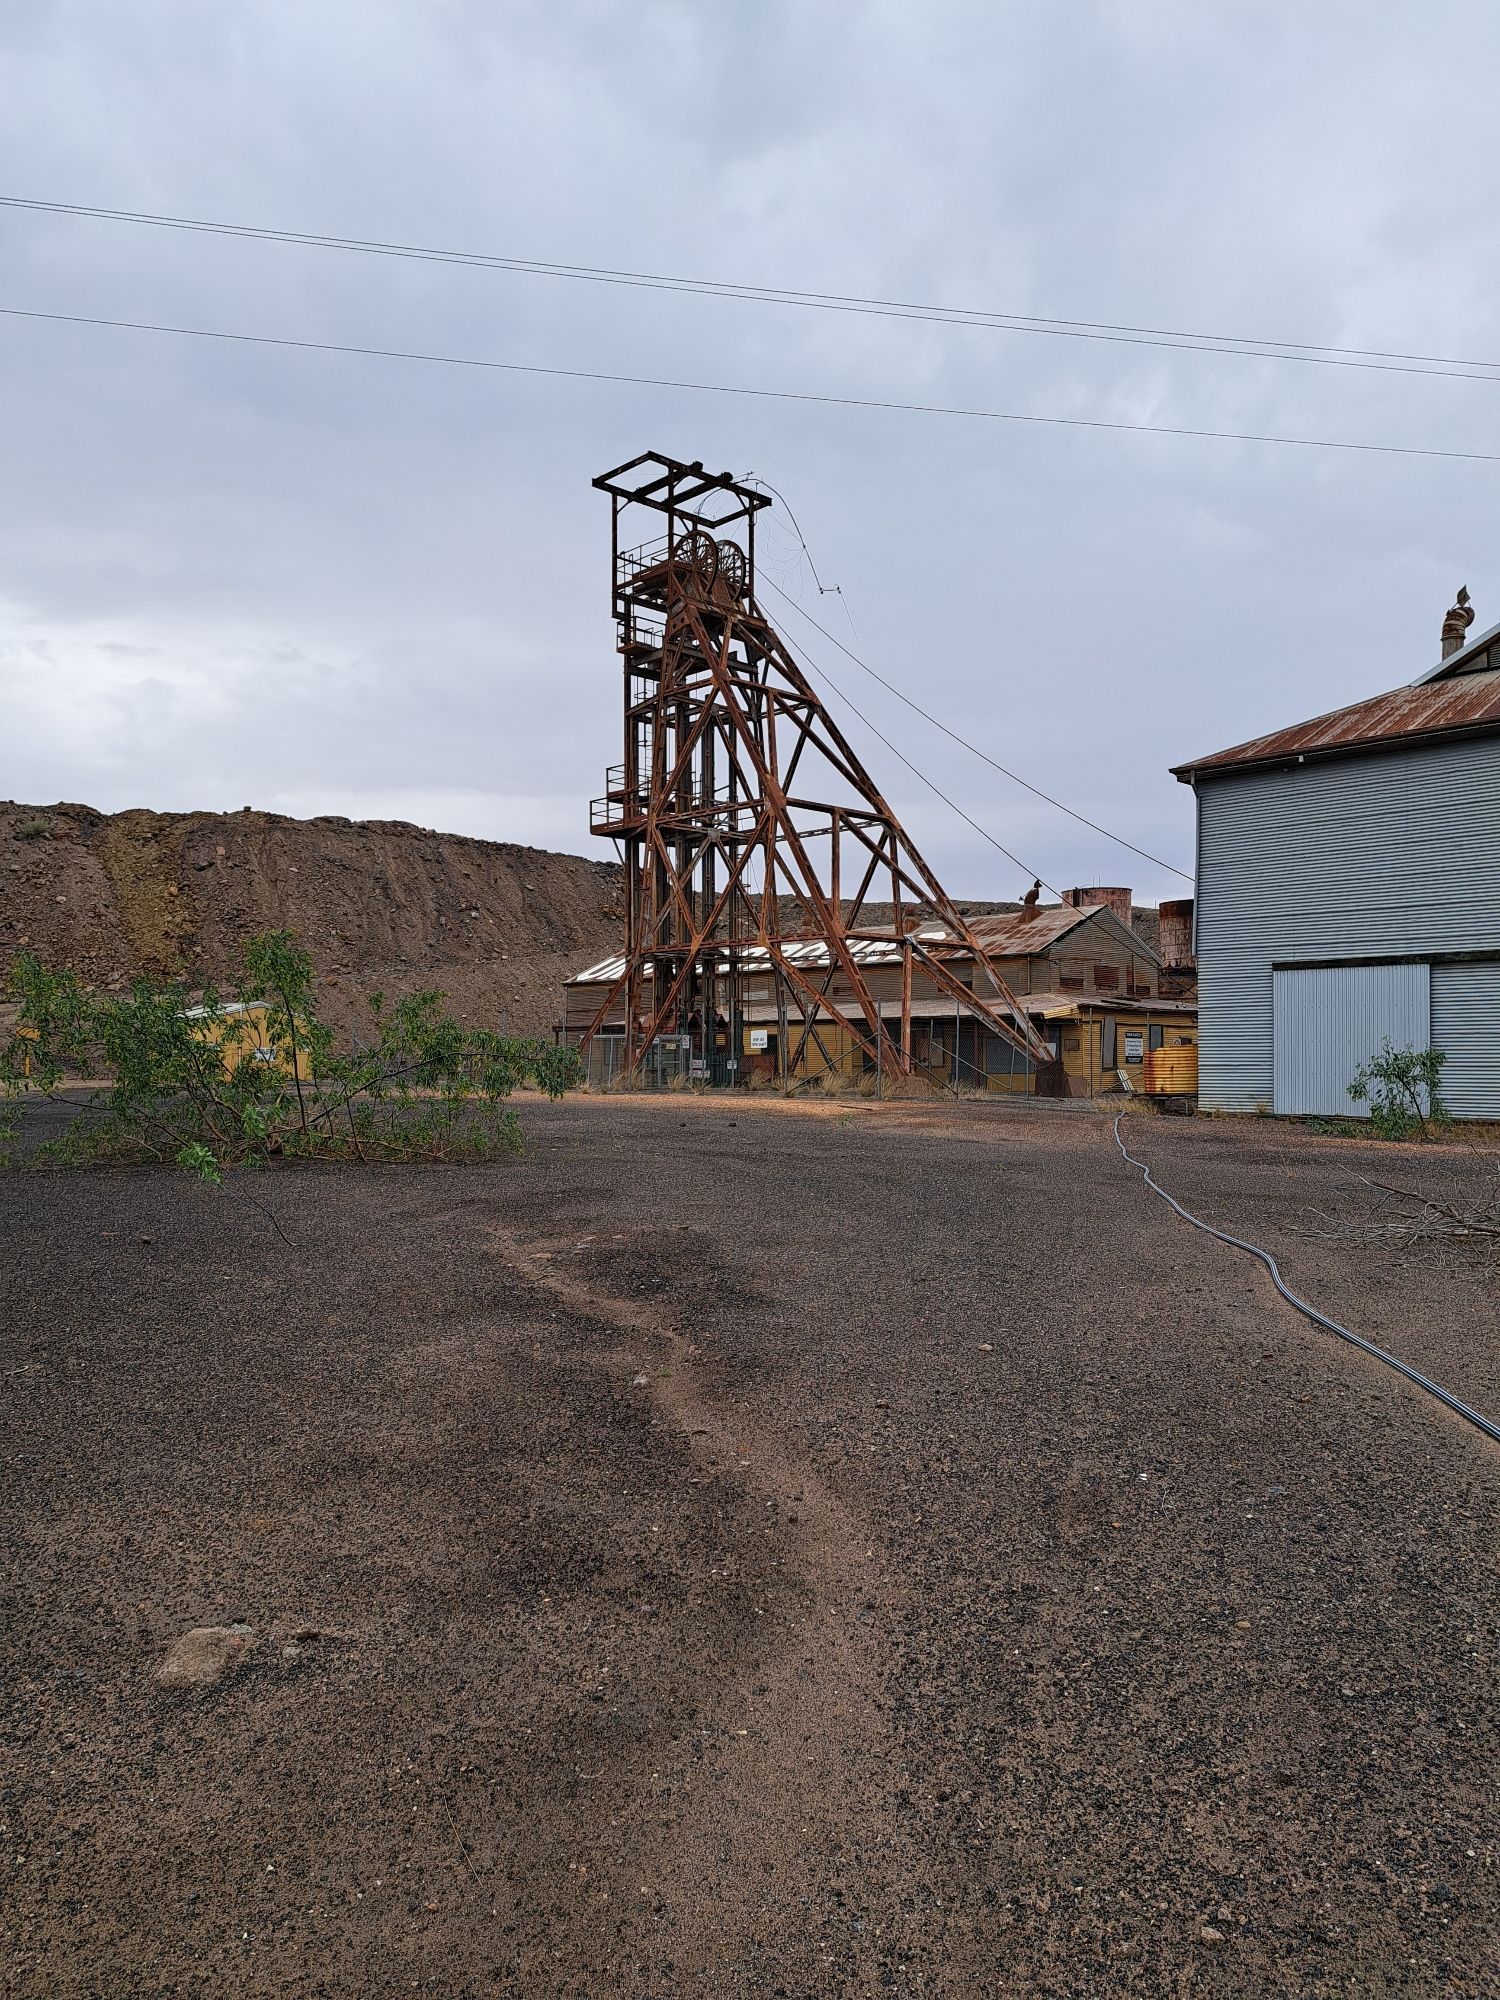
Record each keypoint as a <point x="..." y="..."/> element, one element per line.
<point x="722" y="848"/>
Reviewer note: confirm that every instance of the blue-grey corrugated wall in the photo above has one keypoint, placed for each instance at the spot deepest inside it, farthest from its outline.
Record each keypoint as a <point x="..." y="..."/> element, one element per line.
<point x="1466" y="1025"/>
<point x="1353" y="858"/>
<point x="1331" y="1019"/>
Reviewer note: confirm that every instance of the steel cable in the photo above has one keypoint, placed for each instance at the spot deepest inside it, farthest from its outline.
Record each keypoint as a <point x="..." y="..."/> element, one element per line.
<point x="806" y="660"/>
<point x="1444" y="1396"/>
<point x="1381" y="360"/>
<point x="737" y="389"/>
<point x="963" y="741"/>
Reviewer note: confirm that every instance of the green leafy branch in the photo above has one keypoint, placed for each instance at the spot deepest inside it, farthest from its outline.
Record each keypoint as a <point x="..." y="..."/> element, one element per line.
<point x="1401" y="1088"/>
<point x="243" y="1078"/>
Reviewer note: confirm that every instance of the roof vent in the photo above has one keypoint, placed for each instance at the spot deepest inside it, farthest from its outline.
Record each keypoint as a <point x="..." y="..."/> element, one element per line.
<point x="1456" y="622"/>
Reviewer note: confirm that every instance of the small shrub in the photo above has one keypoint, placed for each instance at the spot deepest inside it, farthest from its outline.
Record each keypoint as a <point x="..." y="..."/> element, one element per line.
<point x="1401" y="1089"/>
<point x="242" y="1080"/>
<point x="34" y="829"/>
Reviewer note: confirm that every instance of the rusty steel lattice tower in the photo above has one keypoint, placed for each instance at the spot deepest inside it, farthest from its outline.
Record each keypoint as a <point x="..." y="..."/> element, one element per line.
<point x="754" y="840"/>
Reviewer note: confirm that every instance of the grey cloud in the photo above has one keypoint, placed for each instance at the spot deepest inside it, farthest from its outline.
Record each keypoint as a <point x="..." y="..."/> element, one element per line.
<point x="415" y="554"/>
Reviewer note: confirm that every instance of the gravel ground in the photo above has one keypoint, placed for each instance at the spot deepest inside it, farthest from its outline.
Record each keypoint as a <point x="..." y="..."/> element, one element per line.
<point x="738" y="1551"/>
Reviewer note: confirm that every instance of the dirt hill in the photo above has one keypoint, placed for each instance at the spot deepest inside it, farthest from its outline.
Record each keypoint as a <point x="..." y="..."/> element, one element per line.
<point x="378" y="903"/>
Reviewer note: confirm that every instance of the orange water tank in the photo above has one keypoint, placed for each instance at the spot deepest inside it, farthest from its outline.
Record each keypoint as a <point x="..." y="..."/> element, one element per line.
<point x="1171" y="1072"/>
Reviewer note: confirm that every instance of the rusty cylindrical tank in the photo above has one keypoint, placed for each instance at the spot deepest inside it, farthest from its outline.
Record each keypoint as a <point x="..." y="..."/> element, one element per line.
<point x="1119" y="901"/>
<point x="1176" y="920"/>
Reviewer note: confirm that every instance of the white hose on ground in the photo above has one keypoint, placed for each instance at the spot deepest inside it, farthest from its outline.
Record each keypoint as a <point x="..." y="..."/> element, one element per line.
<point x="1461" y="1409"/>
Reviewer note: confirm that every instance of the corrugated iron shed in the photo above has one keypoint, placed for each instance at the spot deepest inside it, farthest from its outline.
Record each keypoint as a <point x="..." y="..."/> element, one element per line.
<point x="1463" y="705"/>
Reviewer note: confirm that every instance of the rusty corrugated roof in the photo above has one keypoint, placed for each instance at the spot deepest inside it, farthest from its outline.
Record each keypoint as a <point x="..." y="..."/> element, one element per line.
<point x="1018" y="935"/>
<point x="1468" y="703"/>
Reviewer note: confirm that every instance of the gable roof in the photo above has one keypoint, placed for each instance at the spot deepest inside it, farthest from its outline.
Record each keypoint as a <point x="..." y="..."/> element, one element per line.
<point x="1017" y="935"/>
<point x="1463" y="703"/>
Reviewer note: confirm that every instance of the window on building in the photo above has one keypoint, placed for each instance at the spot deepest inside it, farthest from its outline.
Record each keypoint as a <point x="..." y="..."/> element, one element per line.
<point x="1153" y="1038"/>
<point x="1107" y="978"/>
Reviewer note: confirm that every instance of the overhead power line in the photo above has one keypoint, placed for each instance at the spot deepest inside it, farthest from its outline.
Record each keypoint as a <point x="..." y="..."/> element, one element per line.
<point x="1307" y="353"/>
<point x="983" y="832"/>
<point x="746" y="389"/>
<point x="974" y="749"/>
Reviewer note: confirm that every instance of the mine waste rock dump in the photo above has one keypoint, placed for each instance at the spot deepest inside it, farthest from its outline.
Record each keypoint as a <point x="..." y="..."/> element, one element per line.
<point x="379" y="905"/>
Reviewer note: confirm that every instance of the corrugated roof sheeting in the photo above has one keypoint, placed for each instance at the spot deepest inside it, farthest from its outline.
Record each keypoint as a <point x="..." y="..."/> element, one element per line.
<point x="1468" y="702"/>
<point x="755" y="961"/>
<point x="1014" y="936"/>
<point x="1020" y="935"/>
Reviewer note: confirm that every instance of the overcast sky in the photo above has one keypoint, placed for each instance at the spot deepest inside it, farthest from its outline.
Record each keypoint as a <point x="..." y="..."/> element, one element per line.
<point x="235" y="575"/>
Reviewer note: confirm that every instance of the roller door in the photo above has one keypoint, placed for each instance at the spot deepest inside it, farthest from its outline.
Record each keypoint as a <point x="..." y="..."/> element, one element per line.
<point x="1466" y="1027"/>
<point x="1328" y="1020"/>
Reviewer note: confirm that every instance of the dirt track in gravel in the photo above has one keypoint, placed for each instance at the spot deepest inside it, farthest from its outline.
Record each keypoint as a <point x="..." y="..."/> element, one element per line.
<point x="752" y="1553"/>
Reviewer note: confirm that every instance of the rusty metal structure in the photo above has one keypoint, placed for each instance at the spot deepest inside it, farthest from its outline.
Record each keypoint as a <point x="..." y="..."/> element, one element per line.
<point x="754" y="840"/>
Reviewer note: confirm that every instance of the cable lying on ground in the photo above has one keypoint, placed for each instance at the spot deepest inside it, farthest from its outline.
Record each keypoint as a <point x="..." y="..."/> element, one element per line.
<point x="1444" y="1396"/>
